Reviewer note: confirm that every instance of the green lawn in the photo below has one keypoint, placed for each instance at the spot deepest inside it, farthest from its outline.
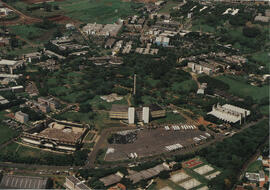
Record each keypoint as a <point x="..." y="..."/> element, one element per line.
<point x="242" y="89"/>
<point x="76" y="117"/>
<point x="100" y="11"/>
<point x="28" y="153"/>
<point x="6" y="134"/>
<point x="29" y="32"/>
<point x="262" y="57"/>
<point x="203" y="28"/>
<point x="168" y="6"/>
<point x="185" y="86"/>
<point x="265" y="110"/>
<point x="170" y="118"/>
<point x="255" y="166"/>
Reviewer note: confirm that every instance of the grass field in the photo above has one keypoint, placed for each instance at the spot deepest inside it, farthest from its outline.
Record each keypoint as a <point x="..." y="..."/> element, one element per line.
<point x="265" y="110"/>
<point x="170" y="118"/>
<point x="255" y="166"/>
<point x="185" y="86"/>
<point x="24" y="151"/>
<point x="76" y="117"/>
<point x="168" y="6"/>
<point x="242" y="89"/>
<point x="100" y="11"/>
<point x="262" y="57"/>
<point x="6" y="134"/>
<point x="27" y="31"/>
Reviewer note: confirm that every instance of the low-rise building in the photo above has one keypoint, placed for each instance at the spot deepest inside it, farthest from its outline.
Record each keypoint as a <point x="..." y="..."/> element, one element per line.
<point x="109" y="43"/>
<point x="135" y="177"/>
<point x="23" y="182"/>
<point x="112" y="179"/>
<point x="3" y="100"/>
<point x="229" y="113"/>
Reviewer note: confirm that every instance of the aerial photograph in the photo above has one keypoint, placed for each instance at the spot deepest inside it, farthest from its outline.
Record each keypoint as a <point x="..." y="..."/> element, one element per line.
<point x="134" y="94"/>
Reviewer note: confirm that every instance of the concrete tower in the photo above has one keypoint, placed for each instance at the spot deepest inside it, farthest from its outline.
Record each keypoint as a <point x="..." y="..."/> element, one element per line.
<point x="145" y="114"/>
<point x="131" y="115"/>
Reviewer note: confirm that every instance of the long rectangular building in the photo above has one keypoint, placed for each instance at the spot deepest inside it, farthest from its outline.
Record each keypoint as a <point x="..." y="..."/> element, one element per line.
<point x="23" y="182"/>
<point x="229" y="113"/>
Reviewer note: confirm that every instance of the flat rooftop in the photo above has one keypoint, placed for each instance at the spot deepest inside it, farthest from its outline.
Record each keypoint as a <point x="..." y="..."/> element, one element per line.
<point x="23" y="182"/>
<point x="119" y="108"/>
<point x="7" y="62"/>
<point x="66" y="135"/>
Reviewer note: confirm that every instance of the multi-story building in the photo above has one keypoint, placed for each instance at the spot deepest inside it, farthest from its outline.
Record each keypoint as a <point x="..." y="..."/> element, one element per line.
<point x="73" y="183"/>
<point x="144" y="114"/>
<point x="50" y="102"/>
<point x="21" y="117"/>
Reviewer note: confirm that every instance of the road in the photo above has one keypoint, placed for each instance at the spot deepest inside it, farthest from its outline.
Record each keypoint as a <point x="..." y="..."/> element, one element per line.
<point x="101" y="144"/>
<point x="23" y="18"/>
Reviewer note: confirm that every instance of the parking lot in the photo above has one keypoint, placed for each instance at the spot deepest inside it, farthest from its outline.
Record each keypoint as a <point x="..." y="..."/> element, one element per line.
<point x="151" y="142"/>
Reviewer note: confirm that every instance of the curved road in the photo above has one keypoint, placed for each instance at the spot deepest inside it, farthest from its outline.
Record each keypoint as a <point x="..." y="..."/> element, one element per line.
<point x="24" y="18"/>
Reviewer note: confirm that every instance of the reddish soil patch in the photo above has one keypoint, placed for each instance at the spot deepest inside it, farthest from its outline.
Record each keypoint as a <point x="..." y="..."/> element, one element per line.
<point x="146" y="1"/>
<point x="10" y="115"/>
<point x="59" y="18"/>
<point x="192" y="163"/>
<point x="203" y="122"/>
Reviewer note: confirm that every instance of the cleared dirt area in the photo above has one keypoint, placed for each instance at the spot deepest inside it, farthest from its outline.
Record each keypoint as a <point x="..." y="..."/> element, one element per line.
<point x="151" y="142"/>
<point x="59" y="18"/>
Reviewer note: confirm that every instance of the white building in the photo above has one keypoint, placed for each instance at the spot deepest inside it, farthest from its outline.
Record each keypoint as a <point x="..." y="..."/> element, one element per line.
<point x="21" y="117"/>
<point x="131" y="115"/>
<point x="146" y="114"/>
<point x="229" y="113"/>
<point x="198" y="68"/>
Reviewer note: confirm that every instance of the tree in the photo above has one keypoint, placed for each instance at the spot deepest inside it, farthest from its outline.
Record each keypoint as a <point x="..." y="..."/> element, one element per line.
<point x="201" y="127"/>
<point x="164" y="174"/>
<point x="85" y="107"/>
<point x="251" y="32"/>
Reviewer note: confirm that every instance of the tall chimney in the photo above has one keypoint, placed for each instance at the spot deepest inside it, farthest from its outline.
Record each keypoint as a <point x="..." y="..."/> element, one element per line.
<point x="134" y="87"/>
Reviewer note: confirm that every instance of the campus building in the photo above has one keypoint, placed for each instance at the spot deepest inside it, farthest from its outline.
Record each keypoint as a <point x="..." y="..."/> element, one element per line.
<point x="21" y="117"/>
<point x="23" y="182"/>
<point x="144" y="114"/>
<point x="57" y="135"/>
<point x="201" y="68"/>
<point x="229" y="113"/>
<point x="10" y="64"/>
<point x="50" y="102"/>
<point x="73" y="183"/>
